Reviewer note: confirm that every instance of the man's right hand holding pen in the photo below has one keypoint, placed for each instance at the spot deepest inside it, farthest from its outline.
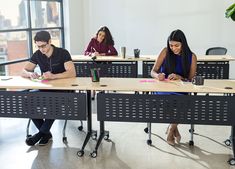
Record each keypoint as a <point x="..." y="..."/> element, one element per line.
<point x="29" y="74"/>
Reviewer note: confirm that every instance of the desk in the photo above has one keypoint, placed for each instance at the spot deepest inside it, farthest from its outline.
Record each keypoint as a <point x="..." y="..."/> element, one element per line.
<point x="110" y="66"/>
<point x="209" y="66"/>
<point x="187" y="109"/>
<point x="50" y="105"/>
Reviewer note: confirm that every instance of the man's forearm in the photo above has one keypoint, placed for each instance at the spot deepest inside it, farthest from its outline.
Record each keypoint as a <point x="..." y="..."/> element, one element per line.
<point x="66" y="74"/>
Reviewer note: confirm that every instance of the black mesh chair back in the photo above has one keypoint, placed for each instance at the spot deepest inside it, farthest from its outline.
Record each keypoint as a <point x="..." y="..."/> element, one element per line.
<point x="216" y="51"/>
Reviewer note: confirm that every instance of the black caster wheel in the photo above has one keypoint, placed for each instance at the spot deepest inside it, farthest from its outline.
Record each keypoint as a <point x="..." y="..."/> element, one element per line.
<point x="93" y="154"/>
<point x="106" y="137"/>
<point x="149" y="142"/>
<point x="64" y="139"/>
<point x="80" y="128"/>
<point x="29" y="135"/>
<point x="191" y="131"/>
<point x="227" y="142"/>
<point x="94" y="135"/>
<point x="191" y="143"/>
<point x="231" y="161"/>
<point x="146" y="130"/>
<point x="80" y="153"/>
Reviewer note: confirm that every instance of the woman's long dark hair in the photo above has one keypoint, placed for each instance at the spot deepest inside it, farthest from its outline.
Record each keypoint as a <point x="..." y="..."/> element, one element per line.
<point x="108" y="37"/>
<point x="186" y="53"/>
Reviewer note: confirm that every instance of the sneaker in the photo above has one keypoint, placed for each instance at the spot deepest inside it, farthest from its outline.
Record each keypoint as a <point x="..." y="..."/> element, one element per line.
<point x="45" y="139"/>
<point x="31" y="141"/>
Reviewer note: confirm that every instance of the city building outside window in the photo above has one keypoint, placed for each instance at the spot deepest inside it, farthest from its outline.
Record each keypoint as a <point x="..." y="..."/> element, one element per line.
<point x="19" y="22"/>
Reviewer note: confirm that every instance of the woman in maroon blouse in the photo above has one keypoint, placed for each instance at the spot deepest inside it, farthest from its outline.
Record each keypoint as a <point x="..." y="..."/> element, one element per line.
<point x="102" y="44"/>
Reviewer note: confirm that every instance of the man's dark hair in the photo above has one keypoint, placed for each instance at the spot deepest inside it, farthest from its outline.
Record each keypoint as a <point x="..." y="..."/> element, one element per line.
<point x="43" y="36"/>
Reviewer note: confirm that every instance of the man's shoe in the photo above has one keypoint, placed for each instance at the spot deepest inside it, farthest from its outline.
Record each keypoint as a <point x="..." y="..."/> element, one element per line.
<point x="31" y="141"/>
<point x="45" y="139"/>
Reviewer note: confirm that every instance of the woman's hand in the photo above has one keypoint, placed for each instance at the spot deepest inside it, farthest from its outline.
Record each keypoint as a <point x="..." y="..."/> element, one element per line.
<point x="95" y="54"/>
<point x="174" y="76"/>
<point x="161" y="76"/>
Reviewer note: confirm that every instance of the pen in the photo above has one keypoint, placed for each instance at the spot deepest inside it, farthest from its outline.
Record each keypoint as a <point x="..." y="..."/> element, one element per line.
<point x="93" y="49"/>
<point x="4" y="79"/>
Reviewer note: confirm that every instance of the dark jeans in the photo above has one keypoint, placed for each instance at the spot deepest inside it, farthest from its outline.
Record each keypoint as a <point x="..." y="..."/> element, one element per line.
<point x="44" y="125"/>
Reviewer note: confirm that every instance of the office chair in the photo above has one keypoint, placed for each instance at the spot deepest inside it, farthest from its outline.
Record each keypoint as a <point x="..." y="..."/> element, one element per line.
<point x="216" y="51"/>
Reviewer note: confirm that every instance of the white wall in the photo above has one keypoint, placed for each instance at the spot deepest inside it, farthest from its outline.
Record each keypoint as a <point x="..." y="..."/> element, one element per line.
<point x="74" y="25"/>
<point x="146" y="24"/>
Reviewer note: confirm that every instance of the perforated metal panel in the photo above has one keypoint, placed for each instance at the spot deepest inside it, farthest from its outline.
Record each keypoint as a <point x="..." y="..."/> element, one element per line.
<point x="147" y="67"/>
<point x="187" y="109"/>
<point x="107" y="69"/>
<point x="213" y="70"/>
<point x="50" y="105"/>
<point x="83" y="69"/>
<point x="121" y="69"/>
<point x="210" y="70"/>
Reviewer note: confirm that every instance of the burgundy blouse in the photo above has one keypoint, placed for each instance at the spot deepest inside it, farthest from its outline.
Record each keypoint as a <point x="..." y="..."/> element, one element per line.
<point x="95" y="46"/>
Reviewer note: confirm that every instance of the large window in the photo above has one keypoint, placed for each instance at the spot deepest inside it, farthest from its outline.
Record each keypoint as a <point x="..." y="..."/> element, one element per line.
<point x="19" y="21"/>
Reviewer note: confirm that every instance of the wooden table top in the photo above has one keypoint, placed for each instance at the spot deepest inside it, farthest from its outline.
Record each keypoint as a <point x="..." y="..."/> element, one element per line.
<point x="149" y="58"/>
<point x="118" y="84"/>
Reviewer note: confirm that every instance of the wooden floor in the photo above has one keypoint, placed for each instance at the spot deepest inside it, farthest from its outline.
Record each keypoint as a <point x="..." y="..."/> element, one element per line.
<point x="126" y="149"/>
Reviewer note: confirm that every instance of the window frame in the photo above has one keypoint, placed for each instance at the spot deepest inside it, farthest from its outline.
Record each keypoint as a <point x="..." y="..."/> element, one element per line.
<point x="29" y="30"/>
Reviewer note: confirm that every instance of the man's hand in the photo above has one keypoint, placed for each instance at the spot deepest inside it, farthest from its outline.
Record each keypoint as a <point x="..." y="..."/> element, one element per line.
<point x="33" y="75"/>
<point x="48" y="75"/>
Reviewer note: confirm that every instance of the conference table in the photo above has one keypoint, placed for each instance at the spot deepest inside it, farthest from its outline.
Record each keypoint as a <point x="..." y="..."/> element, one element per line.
<point x="209" y="66"/>
<point x="53" y="101"/>
<point x="110" y="66"/>
<point x="122" y="106"/>
<point x="194" y="108"/>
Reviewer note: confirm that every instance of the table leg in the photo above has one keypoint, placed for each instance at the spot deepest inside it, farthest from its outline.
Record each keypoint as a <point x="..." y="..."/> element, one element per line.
<point x="103" y="135"/>
<point x="80" y="153"/>
<point x="149" y="141"/>
<point x="231" y="161"/>
<point x="191" y="131"/>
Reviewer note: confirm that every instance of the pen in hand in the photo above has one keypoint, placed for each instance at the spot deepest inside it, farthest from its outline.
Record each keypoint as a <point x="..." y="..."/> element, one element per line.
<point x="95" y="53"/>
<point x="93" y="49"/>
